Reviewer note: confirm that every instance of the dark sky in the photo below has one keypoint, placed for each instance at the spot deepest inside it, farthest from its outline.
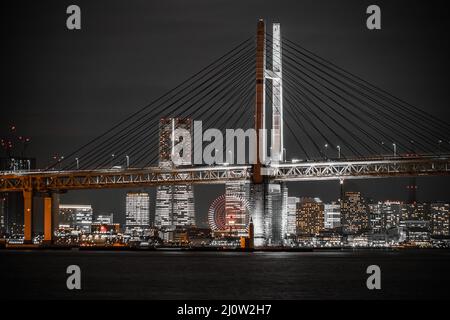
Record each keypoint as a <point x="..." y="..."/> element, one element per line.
<point x="64" y="87"/>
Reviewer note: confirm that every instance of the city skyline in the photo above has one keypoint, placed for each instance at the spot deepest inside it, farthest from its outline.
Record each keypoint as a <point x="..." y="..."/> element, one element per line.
<point x="391" y="68"/>
<point x="312" y="217"/>
<point x="237" y="151"/>
<point x="332" y="109"/>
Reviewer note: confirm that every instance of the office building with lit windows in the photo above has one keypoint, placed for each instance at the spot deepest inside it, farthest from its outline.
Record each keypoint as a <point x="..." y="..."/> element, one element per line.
<point x="104" y="219"/>
<point x="275" y="214"/>
<point x="291" y="221"/>
<point x="332" y="215"/>
<point x="416" y="211"/>
<point x="75" y="216"/>
<point x="137" y="212"/>
<point x="354" y="213"/>
<point x="440" y="219"/>
<point x="393" y="213"/>
<point x="310" y="216"/>
<point x="377" y="217"/>
<point x="174" y="203"/>
<point x="237" y="208"/>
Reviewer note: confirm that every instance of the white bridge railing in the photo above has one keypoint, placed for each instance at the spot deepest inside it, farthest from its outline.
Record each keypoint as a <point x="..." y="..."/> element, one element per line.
<point x="153" y="176"/>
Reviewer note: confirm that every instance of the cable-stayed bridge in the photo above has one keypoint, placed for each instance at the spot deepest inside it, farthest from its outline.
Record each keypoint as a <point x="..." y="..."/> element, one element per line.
<point x="326" y="122"/>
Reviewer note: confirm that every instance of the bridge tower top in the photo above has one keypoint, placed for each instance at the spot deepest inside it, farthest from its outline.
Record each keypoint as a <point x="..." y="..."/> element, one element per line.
<point x="260" y="98"/>
<point x="277" y="143"/>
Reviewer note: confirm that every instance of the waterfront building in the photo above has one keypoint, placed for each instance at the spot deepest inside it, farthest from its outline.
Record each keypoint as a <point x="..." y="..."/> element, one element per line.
<point x="237" y="207"/>
<point x="291" y="221"/>
<point x="392" y="211"/>
<point x="440" y="219"/>
<point x="137" y="212"/>
<point x="75" y="216"/>
<point x="354" y="213"/>
<point x="275" y="214"/>
<point x="332" y="215"/>
<point x="174" y="203"/>
<point x="377" y="218"/>
<point x="310" y="216"/>
<point x="104" y="219"/>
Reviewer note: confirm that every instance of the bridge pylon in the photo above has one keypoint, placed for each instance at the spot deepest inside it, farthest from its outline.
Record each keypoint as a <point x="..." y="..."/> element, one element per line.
<point x="269" y="200"/>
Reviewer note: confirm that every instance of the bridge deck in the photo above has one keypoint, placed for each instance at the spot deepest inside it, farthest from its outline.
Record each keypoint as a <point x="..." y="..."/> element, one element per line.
<point x="43" y="181"/>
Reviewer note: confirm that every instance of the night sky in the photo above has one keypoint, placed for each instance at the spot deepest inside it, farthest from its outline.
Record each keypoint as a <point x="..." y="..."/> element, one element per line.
<point x="64" y="87"/>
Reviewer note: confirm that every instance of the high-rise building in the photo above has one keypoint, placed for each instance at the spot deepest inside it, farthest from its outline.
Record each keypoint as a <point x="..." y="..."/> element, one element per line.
<point x="275" y="214"/>
<point x="291" y="221"/>
<point x="377" y="217"/>
<point x="392" y="211"/>
<point x="167" y="127"/>
<point x="174" y="203"/>
<point x="354" y="213"/>
<point x="137" y="212"/>
<point x="440" y="219"/>
<point x="332" y="215"/>
<point x="2" y="215"/>
<point x="416" y="211"/>
<point x="104" y="219"/>
<point x="310" y="216"/>
<point x="76" y="216"/>
<point x="237" y="207"/>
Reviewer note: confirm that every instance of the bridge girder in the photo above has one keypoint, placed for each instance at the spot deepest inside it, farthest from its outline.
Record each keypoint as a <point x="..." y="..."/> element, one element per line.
<point x="154" y="176"/>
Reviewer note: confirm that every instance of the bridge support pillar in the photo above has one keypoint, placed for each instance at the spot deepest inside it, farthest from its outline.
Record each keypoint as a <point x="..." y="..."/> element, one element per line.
<point x="257" y="214"/>
<point x="51" y="212"/>
<point x="48" y="221"/>
<point x="28" y="216"/>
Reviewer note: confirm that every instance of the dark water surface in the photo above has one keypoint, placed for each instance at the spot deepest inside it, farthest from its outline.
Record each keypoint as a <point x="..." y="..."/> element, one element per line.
<point x="423" y="274"/>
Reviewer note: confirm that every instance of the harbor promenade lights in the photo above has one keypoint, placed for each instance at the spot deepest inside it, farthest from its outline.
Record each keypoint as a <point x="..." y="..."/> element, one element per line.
<point x="339" y="151"/>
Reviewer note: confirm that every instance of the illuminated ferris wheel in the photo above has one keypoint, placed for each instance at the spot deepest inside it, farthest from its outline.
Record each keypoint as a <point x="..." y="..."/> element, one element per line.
<point x="229" y="213"/>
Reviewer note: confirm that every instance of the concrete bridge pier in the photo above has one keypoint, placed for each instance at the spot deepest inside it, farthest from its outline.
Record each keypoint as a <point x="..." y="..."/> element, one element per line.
<point x="28" y="216"/>
<point x="51" y="210"/>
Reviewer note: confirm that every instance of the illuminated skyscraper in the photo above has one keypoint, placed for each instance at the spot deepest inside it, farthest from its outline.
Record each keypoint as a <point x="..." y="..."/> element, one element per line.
<point x="137" y="212"/>
<point x="76" y="216"/>
<point x="275" y="214"/>
<point x="354" y="213"/>
<point x="416" y="211"/>
<point x="332" y="215"/>
<point x="440" y="219"/>
<point x="2" y="215"/>
<point x="174" y="203"/>
<point x="392" y="211"/>
<point x="291" y="221"/>
<point x="237" y="209"/>
<point x="377" y="217"/>
<point x="310" y="216"/>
